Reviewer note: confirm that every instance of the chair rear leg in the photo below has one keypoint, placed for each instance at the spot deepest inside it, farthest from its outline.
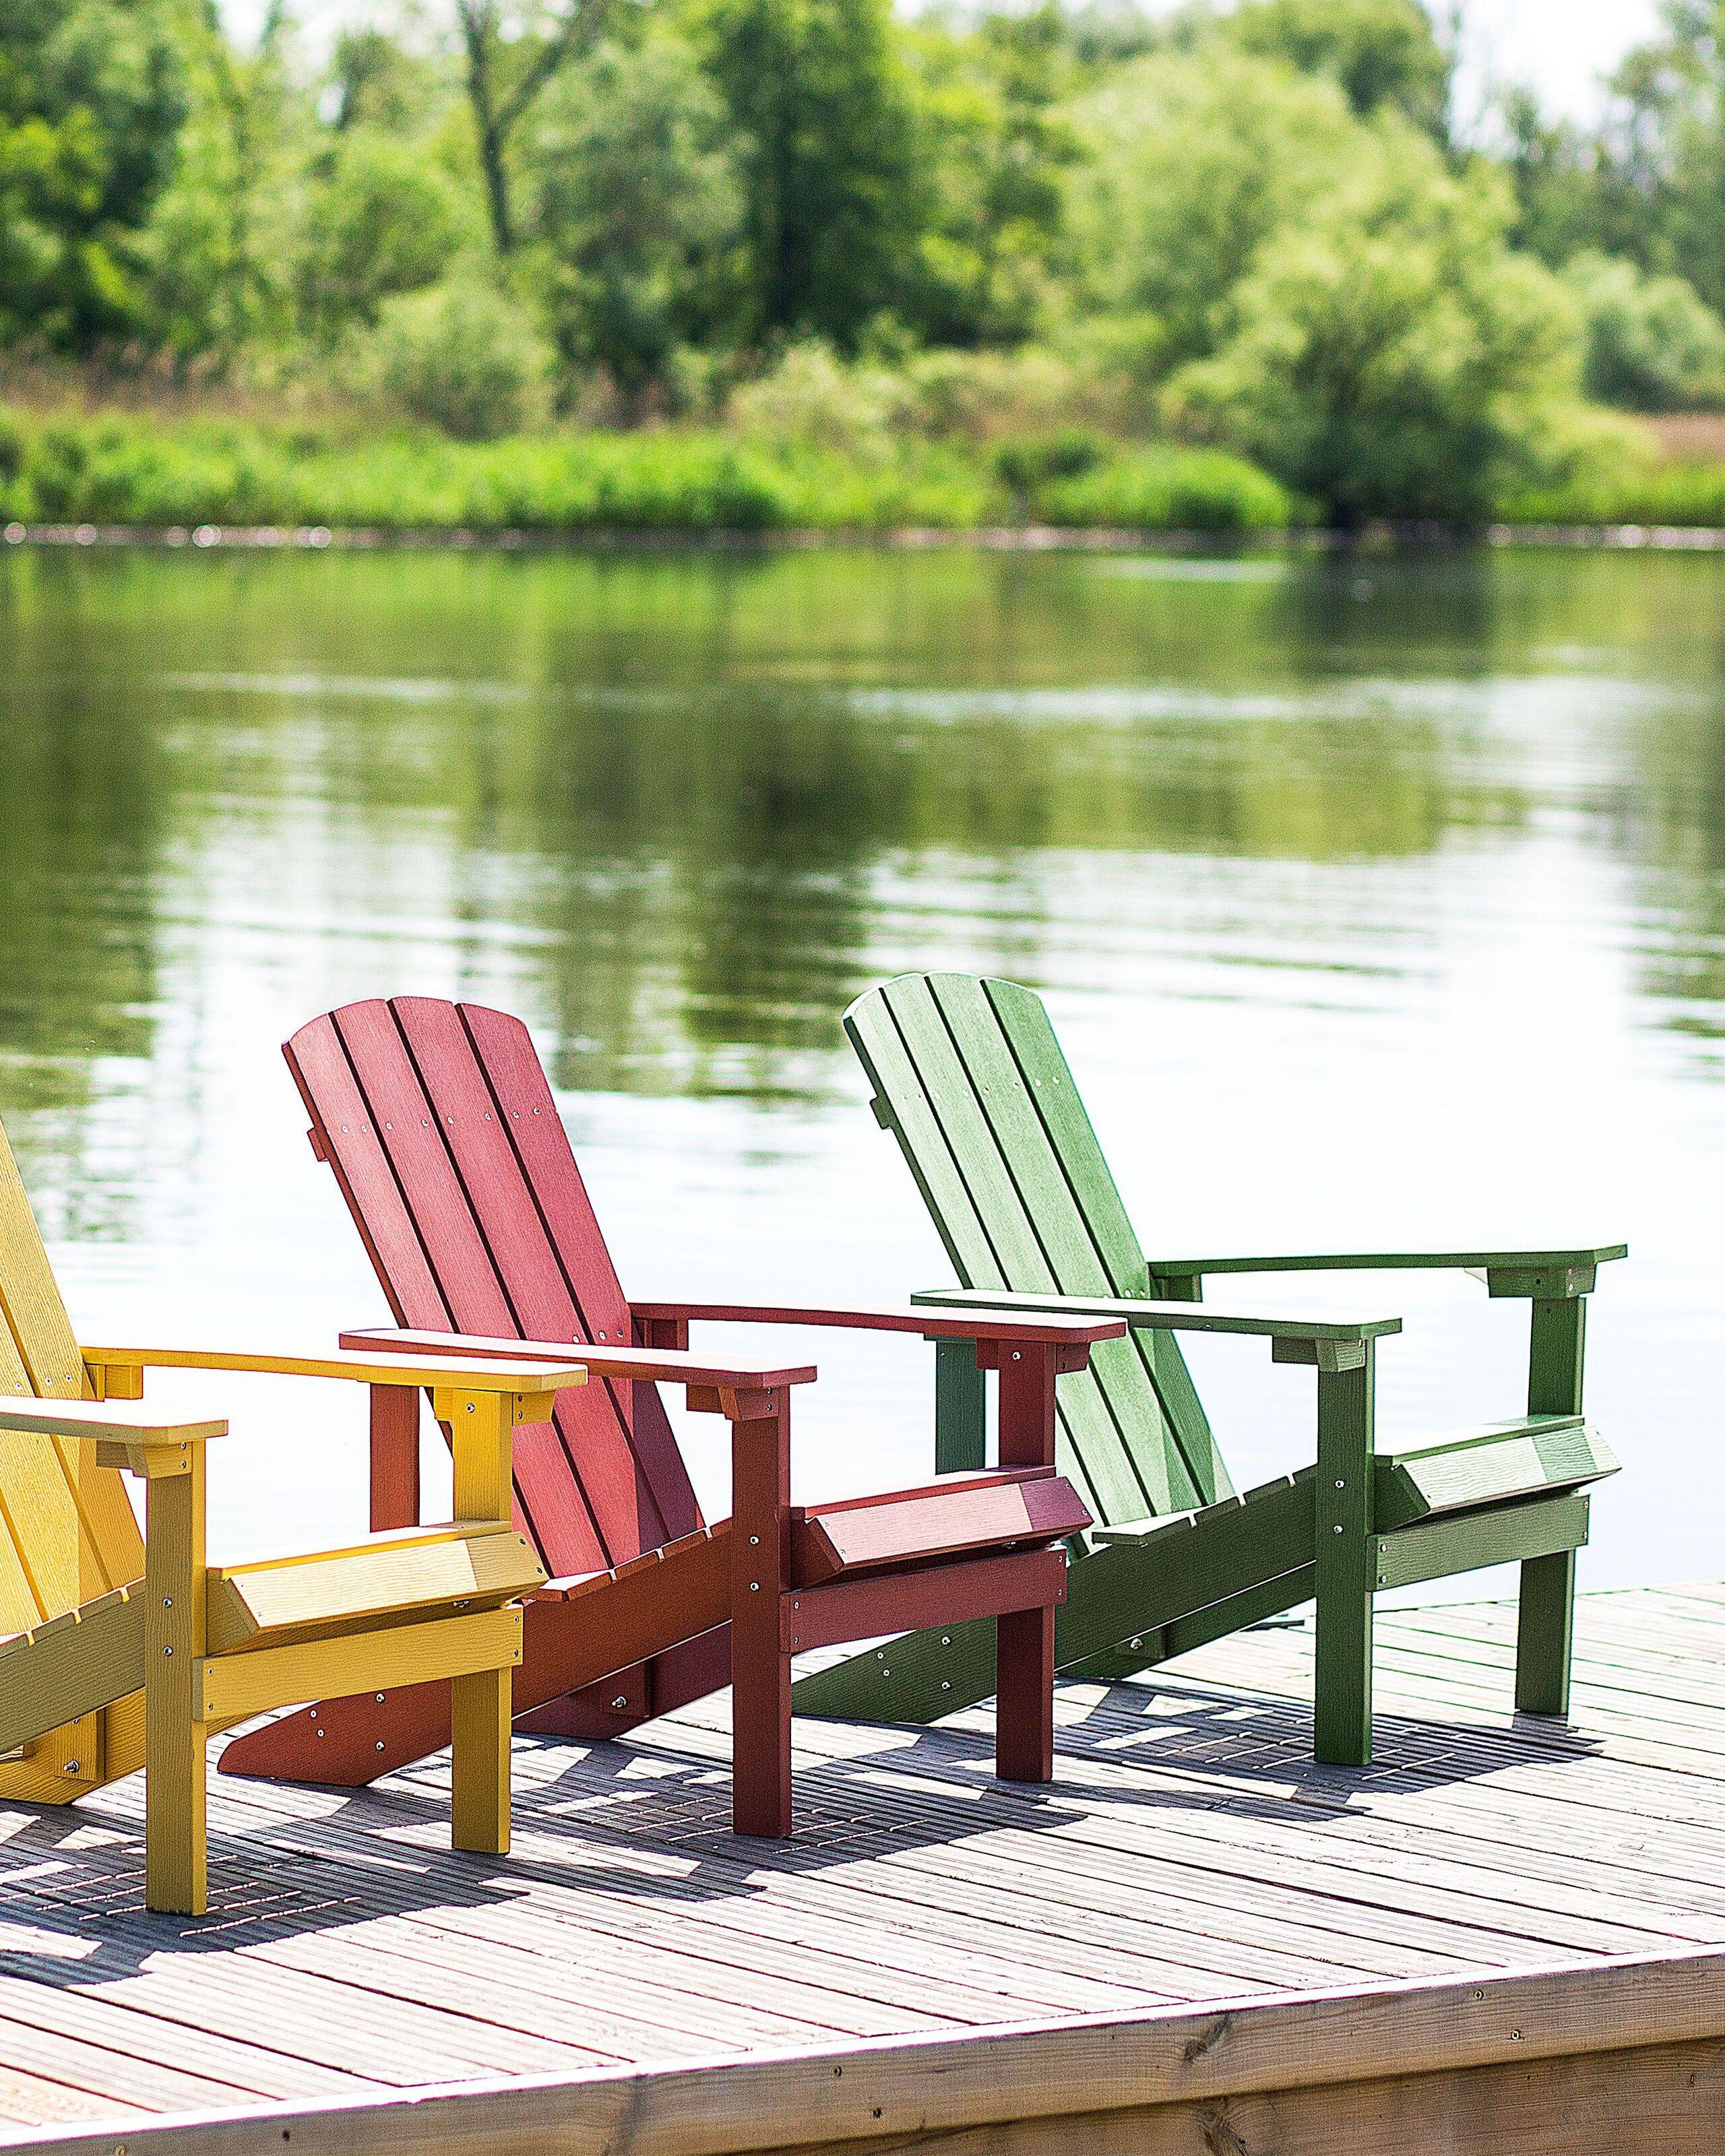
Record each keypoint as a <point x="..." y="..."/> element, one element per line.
<point x="1544" y="1633"/>
<point x="1023" y="1701"/>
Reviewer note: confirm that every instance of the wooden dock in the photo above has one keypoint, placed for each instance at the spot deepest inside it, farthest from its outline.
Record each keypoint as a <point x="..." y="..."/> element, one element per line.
<point x="1504" y="1934"/>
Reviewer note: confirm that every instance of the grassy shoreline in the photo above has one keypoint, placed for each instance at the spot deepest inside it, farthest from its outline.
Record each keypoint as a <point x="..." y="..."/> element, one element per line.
<point x="124" y="469"/>
<point x="141" y="472"/>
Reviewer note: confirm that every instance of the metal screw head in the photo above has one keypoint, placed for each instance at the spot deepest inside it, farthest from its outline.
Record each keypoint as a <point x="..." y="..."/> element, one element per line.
<point x="1015" y="1355"/>
<point x="1340" y="1484"/>
<point x="167" y="1601"/>
<point x="380" y="1743"/>
<point x="469" y="1406"/>
<point x="754" y="1586"/>
<point x="754" y="1542"/>
<point x="621" y="1701"/>
<point x="73" y="1766"/>
<point x="380" y="1699"/>
<point x="1337" y="1529"/>
<point x="945" y="1686"/>
<point x="945" y="1638"/>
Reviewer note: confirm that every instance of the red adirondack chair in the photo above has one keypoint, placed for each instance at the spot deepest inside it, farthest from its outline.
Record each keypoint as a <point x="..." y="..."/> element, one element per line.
<point x="439" y="1122"/>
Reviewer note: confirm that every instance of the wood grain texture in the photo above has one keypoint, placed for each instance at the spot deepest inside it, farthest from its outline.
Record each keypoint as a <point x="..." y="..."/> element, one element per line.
<point x="968" y="1076"/>
<point x="1194" y="1924"/>
<point x="956" y="1593"/>
<point x="256" y="1604"/>
<point x="968" y="1514"/>
<point x="72" y="1665"/>
<point x="440" y="1115"/>
<point x="234" y="1686"/>
<point x="174" y="1781"/>
<point x="1358" y="2070"/>
<point x="478" y="1373"/>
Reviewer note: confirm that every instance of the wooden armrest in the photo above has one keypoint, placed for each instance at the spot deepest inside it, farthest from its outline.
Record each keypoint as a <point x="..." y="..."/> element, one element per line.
<point x="990" y="1319"/>
<point x="671" y="1365"/>
<point x="1143" y="1315"/>
<point x="549" y="1369"/>
<point x="106" y="1421"/>
<point x="1499" y="1267"/>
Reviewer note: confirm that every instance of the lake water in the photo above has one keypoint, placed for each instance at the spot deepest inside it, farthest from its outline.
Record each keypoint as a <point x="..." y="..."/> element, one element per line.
<point x="1378" y="905"/>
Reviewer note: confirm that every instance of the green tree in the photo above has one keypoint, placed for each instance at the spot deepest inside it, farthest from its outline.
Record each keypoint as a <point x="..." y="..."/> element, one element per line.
<point x="1653" y="345"/>
<point x="92" y="98"/>
<point x="819" y="95"/>
<point x="998" y="144"/>
<point x="513" y="49"/>
<point x="1553" y="167"/>
<point x="218" y="251"/>
<point x="639" y="210"/>
<point x="378" y="82"/>
<point x="1389" y="355"/>
<point x="1193" y="160"/>
<point x="381" y="218"/>
<point x="1382" y="52"/>
<point x="1660" y="154"/>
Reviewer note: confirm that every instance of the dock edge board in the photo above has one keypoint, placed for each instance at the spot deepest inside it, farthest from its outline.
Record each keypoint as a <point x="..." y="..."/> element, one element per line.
<point x="1559" y="2059"/>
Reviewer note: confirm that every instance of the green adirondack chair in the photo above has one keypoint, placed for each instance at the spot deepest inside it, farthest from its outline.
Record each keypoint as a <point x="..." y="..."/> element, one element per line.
<point x="970" y="1077"/>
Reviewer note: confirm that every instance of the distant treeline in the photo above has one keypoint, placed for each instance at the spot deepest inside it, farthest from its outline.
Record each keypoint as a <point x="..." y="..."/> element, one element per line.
<point x="1059" y="261"/>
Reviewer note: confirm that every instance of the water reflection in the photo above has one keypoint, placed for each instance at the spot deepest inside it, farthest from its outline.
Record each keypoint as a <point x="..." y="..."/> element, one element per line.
<point x="682" y="779"/>
<point x="1348" y="872"/>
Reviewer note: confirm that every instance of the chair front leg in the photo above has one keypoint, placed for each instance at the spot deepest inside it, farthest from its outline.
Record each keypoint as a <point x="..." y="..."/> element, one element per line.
<point x="1025" y="1640"/>
<point x="175" y="1832"/>
<point x="1342" y="1715"/>
<point x="482" y="1435"/>
<point x="760" y="1578"/>
<point x="1545" y="1616"/>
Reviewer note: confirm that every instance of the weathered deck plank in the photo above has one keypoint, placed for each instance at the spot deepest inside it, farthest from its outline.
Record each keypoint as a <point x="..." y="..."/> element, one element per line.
<point x="1189" y="1850"/>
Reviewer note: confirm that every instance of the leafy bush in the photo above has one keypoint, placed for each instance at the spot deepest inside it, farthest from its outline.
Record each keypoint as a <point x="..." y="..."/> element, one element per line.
<point x="1068" y="453"/>
<point x="1325" y="294"/>
<point x="464" y="357"/>
<point x="1632" y="487"/>
<point x="1386" y="354"/>
<point x="1168" y="489"/>
<point x="812" y="399"/>
<point x="981" y="397"/>
<point x="1653" y="344"/>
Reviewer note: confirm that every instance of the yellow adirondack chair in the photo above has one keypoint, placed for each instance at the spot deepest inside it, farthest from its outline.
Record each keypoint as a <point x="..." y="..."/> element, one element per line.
<point x="128" y="1649"/>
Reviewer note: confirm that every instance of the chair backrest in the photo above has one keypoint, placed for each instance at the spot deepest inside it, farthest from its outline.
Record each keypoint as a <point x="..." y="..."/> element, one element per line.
<point x="67" y="1529"/>
<point x="438" y="1122"/>
<point x="969" y="1078"/>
